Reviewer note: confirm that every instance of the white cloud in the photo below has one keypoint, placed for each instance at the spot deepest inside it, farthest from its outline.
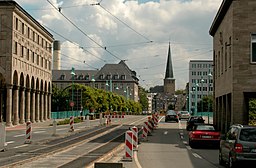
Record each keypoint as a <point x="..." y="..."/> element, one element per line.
<point x="184" y="22"/>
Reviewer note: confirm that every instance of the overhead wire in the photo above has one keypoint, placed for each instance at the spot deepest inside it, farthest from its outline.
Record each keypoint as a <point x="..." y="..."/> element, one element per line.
<point x="103" y="47"/>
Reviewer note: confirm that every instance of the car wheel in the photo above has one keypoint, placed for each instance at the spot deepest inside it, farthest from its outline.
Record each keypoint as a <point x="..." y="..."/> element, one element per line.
<point x="221" y="161"/>
<point x="231" y="163"/>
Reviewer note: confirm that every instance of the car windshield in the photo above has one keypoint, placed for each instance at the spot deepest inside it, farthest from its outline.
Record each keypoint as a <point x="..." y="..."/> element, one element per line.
<point x="205" y="127"/>
<point x="248" y="135"/>
<point x="171" y="113"/>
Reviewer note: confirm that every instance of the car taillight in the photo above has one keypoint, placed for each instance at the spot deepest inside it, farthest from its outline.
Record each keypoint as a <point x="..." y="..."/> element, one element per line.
<point x="238" y="148"/>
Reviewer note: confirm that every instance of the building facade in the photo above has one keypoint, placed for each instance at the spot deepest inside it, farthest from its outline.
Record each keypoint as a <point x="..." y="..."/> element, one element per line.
<point x="200" y="82"/>
<point x="234" y="38"/>
<point x="117" y="78"/>
<point x="25" y="66"/>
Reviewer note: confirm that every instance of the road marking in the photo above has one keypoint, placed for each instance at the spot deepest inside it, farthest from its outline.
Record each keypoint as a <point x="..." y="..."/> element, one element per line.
<point x="196" y="155"/>
<point x="165" y="132"/>
<point x="188" y="147"/>
<point x="37" y="132"/>
<point x="62" y="129"/>
<point x="20" y="146"/>
<point x="10" y="142"/>
<point x="161" y="118"/>
<point x="19" y="135"/>
<point x="137" y="121"/>
<point x="136" y="160"/>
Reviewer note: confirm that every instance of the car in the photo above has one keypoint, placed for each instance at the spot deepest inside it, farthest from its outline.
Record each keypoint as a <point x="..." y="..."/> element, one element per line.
<point x="204" y="134"/>
<point x="238" y="145"/>
<point x="193" y="120"/>
<point x="171" y="115"/>
<point x="183" y="115"/>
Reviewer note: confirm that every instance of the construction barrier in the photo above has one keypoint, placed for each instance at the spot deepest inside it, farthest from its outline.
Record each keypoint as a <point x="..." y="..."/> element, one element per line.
<point x="28" y="132"/>
<point x="145" y="131"/>
<point x="71" y="124"/>
<point x="128" y="145"/>
<point x="150" y="128"/>
<point x="135" y="137"/>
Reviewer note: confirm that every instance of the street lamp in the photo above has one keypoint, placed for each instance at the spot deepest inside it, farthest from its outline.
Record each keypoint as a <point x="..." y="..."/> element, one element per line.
<point x="202" y="104"/>
<point x="208" y="109"/>
<point x="196" y="98"/>
<point x="72" y="73"/>
<point x="92" y="80"/>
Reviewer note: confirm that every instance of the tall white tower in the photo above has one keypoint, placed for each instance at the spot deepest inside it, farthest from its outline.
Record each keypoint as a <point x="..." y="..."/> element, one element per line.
<point x="56" y="55"/>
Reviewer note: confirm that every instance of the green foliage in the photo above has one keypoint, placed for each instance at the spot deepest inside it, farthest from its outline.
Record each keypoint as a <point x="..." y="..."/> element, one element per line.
<point x="97" y="100"/>
<point x="66" y="121"/>
<point x="143" y="98"/>
<point x="252" y="111"/>
<point x="178" y="92"/>
<point x="207" y="102"/>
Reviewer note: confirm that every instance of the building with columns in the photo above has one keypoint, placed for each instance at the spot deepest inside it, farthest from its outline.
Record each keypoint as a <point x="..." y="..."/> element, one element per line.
<point x="25" y="66"/>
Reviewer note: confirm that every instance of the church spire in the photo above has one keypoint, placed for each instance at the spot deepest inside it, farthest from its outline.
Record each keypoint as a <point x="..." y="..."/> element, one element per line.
<point x="169" y="69"/>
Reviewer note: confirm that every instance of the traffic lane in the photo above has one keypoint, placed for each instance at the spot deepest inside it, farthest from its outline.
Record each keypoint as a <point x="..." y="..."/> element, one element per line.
<point x="206" y="151"/>
<point x="165" y="148"/>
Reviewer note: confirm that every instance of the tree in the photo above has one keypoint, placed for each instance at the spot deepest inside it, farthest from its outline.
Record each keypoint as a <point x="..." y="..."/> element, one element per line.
<point x="143" y="98"/>
<point x="207" y="101"/>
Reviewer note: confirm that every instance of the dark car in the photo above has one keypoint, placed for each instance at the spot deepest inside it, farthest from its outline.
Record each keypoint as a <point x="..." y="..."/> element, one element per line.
<point x="193" y="120"/>
<point x="238" y="145"/>
<point x="171" y="116"/>
<point x="204" y="134"/>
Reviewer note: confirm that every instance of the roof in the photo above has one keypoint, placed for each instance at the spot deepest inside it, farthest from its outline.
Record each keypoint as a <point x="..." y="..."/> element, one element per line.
<point x="15" y="4"/>
<point x="219" y="16"/>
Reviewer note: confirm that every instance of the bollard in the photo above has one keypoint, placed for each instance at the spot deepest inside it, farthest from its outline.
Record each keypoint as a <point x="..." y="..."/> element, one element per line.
<point x="28" y="132"/>
<point x="87" y="121"/>
<point x="54" y="124"/>
<point x="71" y="123"/>
<point x="128" y="146"/>
<point x="2" y="137"/>
<point x="101" y="119"/>
<point x="135" y="138"/>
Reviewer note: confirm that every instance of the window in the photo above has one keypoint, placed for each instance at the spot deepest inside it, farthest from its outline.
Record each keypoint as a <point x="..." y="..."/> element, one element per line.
<point x="15" y="49"/>
<point x="37" y="59"/>
<point x="22" y="51"/>
<point x="101" y="76"/>
<point x="81" y="76"/>
<point x="33" y="57"/>
<point x="193" y="65"/>
<point x="229" y="52"/>
<point x="45" y="64"/>
<point x="193" y="73"/>
<point x="28" y="54"/>
<point x="123" y="77"/>
<point x="28" y="32"/>
<point x="108" y="77"/>
<point x="16" y="24"/>
<point x="62" y="77"/>
<point x="42" y="62"/>
<point x="115" y="77"/>
<point x="253" y="48"/>
<point x="22" y="28"/>
<point x="87" y="77"/>
<point x="199" y="73"/>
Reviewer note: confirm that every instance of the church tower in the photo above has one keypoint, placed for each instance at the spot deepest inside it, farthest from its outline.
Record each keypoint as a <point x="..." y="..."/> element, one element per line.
<point x="169" y="81"/>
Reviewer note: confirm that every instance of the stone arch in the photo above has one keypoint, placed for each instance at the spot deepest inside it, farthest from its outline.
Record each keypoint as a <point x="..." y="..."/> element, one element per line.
<point x="22" y="81"/>
<point x="2" y="98"/>
<point x="33" y="83"/>
<point x="49" y="87"/>
<point x="27" y="82"/>
<point x="42" y="85"/>
<point x="15" y="78"/>
<point x="45" y="86"/>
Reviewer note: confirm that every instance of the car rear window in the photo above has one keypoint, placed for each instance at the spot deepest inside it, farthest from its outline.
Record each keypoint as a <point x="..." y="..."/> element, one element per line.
<point x="184" y="112"/>
<point x="248" y="135"/>
<point x="205" y="127"/>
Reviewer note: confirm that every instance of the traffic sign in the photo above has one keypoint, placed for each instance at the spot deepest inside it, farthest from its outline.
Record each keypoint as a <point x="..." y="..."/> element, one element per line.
<point x="71" y="103"/>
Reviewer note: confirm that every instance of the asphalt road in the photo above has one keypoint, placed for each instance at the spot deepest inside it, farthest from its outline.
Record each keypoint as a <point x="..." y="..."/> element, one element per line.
<point x="168" y="147"/>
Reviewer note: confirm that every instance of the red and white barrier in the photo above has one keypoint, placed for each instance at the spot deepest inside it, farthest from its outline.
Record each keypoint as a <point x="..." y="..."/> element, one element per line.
<point x="145" y="131"/>
<point x="150" y="127"/>
<point x="71" y="124"/>
<point x="135" y="137"/>
<point x="128" y="145"/>
<point x="28" y="132"/>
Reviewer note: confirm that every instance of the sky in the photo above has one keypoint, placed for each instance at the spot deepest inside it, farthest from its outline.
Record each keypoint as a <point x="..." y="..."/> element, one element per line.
<point x="96" y="32"/>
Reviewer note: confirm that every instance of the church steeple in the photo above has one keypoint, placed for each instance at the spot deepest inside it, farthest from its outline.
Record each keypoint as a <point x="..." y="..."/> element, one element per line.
<point x="169" y="81"/>
<point x="169" y="69"/>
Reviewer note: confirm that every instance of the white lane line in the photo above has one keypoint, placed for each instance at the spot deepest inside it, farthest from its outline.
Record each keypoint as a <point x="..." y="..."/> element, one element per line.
<point x="196" y="155"/>
<point x="161" y="118"/>
<point x="19" y="135"/>
<point x="136" y="160"/>
<point x="138" y="120"/>
<point x="165" y="132"/>
<point x="10" y="142"/>
<point x="37" y="132"/>
<point x="188" y="147"/>
<point x="21" y="146"/>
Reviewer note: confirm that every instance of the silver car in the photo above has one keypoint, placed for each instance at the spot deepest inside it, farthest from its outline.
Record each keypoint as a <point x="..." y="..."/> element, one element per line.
<point x="238" y="145"/>
<point x="183" y="115"/>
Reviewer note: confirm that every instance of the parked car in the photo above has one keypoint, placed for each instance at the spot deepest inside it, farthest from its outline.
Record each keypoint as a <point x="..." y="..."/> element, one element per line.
<point x="183" y="115"/>
<point x="171" y="116"/>
<point x="204" y="134"/>
<point x="193" y="120"/>
<point x="238" y="145"/>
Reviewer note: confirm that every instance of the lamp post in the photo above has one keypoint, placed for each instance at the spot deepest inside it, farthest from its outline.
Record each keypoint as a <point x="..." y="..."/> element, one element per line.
<point x="72" y="100"/>
<point x="202" y="104"/>
<point x="208" y="89"/>
<point x="196" y="99"/>
<point x="127" y="92"/>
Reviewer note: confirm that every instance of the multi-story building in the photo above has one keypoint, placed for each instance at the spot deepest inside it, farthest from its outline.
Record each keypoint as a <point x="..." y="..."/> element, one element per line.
<point x="200" y="82"/>
<point x="25" y="66"/>
<point x="234" y="55"/>
<point x="117" y="78"/>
